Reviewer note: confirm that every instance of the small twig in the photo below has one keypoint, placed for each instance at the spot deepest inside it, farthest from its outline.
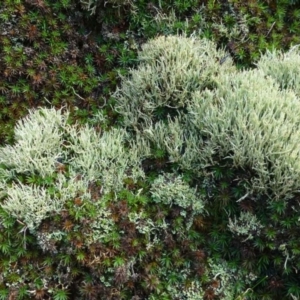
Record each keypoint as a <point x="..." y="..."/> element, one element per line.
<point x="271" y="28"/>
<point x="223" y="59"/>
<point x="21" y="222"/>
<point x="242" y="198"/>
<point x="286" y="260"/>
<point x="23" y="230"/>
<point x="86" y="35"/>
<point x="103" y="104"/>
<point x="47" y="100"/>
<point x="77" y="94"/>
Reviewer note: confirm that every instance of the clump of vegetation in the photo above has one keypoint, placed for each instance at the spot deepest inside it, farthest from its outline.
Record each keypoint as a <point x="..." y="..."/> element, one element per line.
<point x="94" y="5"/>
<point x="193" y="193"/>
<point x="151" y="90"/>
<point x="50" y="56"/>
<point x="79" y="219"/>
<point x="282" y="66"/>
<point x="245" y="29"/>
<point x="259" y="119"/>
<point x="198" y="203"/>
<point x="249" y="28"/>
<point x="75" y="50"/>
<point x="237" y="139"/>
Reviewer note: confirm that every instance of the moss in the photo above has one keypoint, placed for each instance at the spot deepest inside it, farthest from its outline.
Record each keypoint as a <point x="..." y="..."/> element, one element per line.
<point x="239" y="137"/>
<point x="108" y="236"/>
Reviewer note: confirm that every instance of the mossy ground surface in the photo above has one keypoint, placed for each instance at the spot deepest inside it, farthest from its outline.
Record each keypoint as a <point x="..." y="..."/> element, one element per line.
<point x="56" y="54"/>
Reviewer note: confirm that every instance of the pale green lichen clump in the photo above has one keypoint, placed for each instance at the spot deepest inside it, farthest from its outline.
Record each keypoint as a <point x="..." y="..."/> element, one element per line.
<point x="44" y="141"/>
<point x="283" y="67"/>
<point x="184" y="109"/>
<point x="172" y="190"/>
<point x="32" y="203"/>
<point x="246" y="225"/>
<point x="249" y="119"/>
<point x="171" y="68"/>
<point x="221" y="112"/>
<point x="224" y="279"/>
<point x="38" y="143"/>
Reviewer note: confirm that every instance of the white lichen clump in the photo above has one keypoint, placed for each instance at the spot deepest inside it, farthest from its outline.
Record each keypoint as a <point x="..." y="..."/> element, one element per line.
<point x="45" y="142"/>
<point x="248" y="116"/>
<point x="283" y="67"/>
<point x="172" y="190"/>
<point x="246" y="225"/>
<point x="171" y="68"/>
<point x="38" y="143"/>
